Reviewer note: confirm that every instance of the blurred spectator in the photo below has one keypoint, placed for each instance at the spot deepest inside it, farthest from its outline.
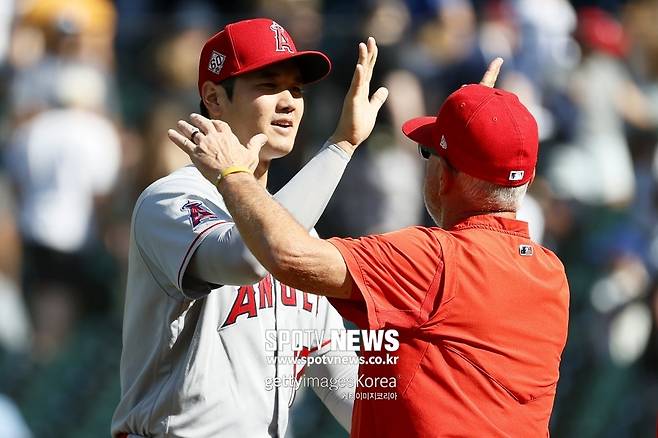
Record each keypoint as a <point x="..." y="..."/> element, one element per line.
<point x="52" y="35"/>
<point x="546" y="46"/>
<point x="15" y="330"/>
<point x="172" y="96"/>
<point x="651" y="358"/>
<point x="618" y="297"/>
<point x="597" y="169"/>
<point x="6" y="19"/>
<point x="11" y="421"/>
<point x="63" y="163"/>
<point x="82" y="30"/>
<point x="447" y="51"/>
<point x="640" y="18"/>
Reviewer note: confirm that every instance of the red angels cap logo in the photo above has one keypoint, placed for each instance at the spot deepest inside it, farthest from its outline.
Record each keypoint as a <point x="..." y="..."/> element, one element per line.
<point x="282" y="43"/>
<point x="198" y="212"/>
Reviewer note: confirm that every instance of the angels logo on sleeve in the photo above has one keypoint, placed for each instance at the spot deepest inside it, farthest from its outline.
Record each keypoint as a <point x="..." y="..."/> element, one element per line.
<point x="198" y="212"/>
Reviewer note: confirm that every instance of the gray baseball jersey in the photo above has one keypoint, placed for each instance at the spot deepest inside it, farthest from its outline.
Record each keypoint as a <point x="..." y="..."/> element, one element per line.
<point x="194" y="362"/>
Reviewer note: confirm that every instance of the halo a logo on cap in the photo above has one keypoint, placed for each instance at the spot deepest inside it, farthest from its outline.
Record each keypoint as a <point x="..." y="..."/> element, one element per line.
<point x="282" y="44"/>
<point x="516" y="175"/>
<point x="216" y="62"/>
<point x="444" y="143"/>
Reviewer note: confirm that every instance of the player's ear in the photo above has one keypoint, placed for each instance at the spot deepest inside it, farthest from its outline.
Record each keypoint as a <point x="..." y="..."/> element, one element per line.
<point x="214" y="98"/>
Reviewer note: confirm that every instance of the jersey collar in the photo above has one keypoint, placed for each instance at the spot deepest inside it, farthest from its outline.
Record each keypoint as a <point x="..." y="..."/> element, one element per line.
<point x="496" y="223"/>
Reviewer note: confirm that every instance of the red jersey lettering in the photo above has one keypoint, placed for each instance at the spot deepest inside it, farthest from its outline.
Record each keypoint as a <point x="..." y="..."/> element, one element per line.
<point x="288" y="296"/>
<point x="308" y="306"/>
<point x="265" y="293"/>
<point x="245" y="304"/>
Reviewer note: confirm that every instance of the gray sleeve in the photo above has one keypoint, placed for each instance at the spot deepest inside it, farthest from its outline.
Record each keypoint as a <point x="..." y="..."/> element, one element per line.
<point x="222" y="257"/>
<point x="169" y="224"/>
<point x="340" y="400"/>
<point x="339" y="366"/>
<point x="307" y="194"/>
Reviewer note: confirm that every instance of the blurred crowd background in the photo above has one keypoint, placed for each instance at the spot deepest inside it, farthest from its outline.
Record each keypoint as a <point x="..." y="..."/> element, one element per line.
<point x="88" y="89"/>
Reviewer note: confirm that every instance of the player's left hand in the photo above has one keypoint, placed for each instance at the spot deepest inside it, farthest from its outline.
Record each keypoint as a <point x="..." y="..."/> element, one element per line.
<point x="215" y="148"/>
<point x="360" y="109"/>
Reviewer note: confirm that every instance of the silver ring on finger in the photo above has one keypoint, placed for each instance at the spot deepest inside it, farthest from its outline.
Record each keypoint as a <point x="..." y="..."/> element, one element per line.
<point x="193" y="136"/>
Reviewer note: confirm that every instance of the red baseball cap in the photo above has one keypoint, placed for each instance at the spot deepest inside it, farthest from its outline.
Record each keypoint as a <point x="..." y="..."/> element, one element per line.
<point x="249" y="45"/>
<point x="484" y="132"/>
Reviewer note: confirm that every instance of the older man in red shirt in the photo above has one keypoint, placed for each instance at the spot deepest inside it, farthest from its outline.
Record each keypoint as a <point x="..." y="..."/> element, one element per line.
<point x="481" y="310"/>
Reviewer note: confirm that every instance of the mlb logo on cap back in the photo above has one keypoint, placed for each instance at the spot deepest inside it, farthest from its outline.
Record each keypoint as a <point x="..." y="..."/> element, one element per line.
<point x="516" y="175"/>
<point x="250" y="45"/>
<point x="492" y="136"/>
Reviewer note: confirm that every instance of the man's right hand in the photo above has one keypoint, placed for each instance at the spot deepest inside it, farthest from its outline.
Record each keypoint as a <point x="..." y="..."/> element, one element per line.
<point x="359" y="109"/>
<point x="216" y="148"/>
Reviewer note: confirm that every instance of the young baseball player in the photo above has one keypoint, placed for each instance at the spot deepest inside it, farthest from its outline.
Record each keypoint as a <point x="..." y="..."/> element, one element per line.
<point x="198" y="359"/>
<point x="481" y="309"/>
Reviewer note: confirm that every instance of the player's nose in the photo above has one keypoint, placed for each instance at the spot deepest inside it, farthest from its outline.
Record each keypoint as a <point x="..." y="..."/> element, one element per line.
<point x="286" y="102"/>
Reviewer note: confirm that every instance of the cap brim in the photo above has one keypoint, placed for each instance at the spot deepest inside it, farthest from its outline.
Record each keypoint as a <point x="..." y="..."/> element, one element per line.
<point x="313" y="65"/>
<point x="420" y="130"/>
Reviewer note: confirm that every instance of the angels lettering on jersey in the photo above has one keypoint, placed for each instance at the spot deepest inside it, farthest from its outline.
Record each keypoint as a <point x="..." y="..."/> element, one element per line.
<point x="249" y="302"/>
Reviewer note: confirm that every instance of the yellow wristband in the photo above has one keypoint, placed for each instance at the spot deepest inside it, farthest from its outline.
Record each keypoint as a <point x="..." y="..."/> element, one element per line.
<point x="230" y="170"/>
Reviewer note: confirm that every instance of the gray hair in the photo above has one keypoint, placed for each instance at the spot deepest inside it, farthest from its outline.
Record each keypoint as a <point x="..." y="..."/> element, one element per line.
<point x="489" y="196"/>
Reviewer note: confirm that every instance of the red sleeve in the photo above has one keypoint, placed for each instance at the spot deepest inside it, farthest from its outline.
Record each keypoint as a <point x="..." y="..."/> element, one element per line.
<point x="396" y="277"/>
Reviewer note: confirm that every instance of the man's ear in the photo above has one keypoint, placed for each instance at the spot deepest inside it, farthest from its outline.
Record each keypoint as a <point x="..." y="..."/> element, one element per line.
<point x="214" y="98"/>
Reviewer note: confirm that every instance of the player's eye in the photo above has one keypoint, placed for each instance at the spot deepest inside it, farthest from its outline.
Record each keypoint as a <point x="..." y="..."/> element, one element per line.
<point x="297" y="91"/>
<point x="267" y="86"/>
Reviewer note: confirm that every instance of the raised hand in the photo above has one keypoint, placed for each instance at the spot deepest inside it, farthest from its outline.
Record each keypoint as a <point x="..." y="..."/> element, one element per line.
<point x="359" y="109"/>
<point x="213" y="147"/>
<point x="490" y="76"/>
